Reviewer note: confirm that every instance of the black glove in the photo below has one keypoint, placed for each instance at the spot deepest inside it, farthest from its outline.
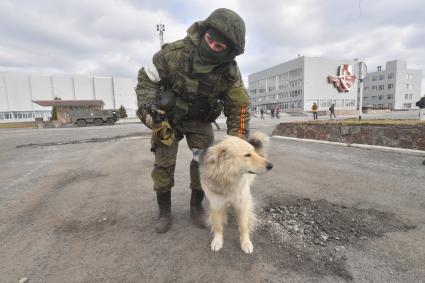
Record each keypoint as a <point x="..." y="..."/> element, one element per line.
<point x="158" y="116"/>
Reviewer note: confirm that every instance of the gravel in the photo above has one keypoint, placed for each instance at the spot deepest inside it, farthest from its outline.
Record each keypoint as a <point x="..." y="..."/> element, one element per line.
<point x="316" y="234"/>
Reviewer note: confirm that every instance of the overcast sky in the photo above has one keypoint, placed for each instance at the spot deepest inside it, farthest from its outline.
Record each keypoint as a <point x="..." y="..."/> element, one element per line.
<point x="116" y="38"/>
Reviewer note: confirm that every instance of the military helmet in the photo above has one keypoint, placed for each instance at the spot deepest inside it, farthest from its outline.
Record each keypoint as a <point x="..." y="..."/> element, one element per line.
<point x="230" y="25"/>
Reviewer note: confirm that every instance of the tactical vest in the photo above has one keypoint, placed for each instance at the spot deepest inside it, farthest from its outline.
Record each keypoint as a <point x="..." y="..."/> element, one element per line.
<point x="198" y="96"/>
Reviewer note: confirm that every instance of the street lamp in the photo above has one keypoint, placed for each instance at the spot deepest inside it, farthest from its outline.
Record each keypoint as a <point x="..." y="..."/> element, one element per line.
<point x="362" y="73"/>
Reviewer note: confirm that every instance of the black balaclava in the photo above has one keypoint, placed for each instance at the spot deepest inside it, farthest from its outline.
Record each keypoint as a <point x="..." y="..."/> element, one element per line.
<point x="206" y="59"/>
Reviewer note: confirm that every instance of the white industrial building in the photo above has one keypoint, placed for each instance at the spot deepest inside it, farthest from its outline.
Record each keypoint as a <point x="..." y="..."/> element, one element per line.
<point x="18" y="90"/>
<point x="396" y="87"/>
<point x="293" y="86"/>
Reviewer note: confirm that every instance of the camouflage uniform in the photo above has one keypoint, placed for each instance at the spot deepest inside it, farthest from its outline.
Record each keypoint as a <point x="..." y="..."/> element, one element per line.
<point x="200" y="98"/>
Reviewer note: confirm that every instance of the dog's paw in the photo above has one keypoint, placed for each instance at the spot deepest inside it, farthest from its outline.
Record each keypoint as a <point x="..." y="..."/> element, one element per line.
<point x="247" y="247"/>
<point x="217" y="244"/>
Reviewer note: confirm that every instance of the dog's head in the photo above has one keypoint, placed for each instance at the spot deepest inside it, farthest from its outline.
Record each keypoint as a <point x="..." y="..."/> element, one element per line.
<point x="236" y="155"/>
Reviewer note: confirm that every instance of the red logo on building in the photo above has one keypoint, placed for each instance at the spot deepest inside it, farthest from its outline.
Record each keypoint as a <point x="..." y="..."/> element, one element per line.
<point x="345" y="78"/>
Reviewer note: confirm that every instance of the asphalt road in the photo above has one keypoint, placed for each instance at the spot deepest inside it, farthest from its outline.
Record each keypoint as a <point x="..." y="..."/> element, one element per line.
<point x="83" y="211"/>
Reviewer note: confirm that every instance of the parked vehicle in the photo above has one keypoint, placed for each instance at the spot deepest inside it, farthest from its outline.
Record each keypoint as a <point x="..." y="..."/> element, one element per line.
<point x="97" y="117"/>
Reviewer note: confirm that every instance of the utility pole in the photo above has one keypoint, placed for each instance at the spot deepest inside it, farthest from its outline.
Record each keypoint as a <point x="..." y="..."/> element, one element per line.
<point x="362" y="73"/>
<point x="161" y="28"/>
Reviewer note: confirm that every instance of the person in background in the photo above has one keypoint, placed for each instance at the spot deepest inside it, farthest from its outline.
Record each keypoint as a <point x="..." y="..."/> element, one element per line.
<point x="332" y="109"/>
<point x="272" y="113"/>
<point x="277" y="113"/>
<point x="314" y="109"/>
<point x="262" y="113"/>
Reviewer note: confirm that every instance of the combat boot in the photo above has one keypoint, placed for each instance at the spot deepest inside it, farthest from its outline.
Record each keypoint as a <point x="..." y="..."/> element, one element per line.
<point x="163" y="223"/>
<point x="197" y="212"/>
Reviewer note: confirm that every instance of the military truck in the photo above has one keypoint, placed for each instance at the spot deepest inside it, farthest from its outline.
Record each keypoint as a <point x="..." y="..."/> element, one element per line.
<point x="97" y="117"/>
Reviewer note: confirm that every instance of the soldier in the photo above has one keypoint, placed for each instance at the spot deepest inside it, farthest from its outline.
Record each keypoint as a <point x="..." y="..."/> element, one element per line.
<point x="183" y="91"/>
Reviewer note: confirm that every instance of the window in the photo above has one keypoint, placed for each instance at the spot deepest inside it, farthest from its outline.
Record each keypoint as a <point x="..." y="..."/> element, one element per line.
<point x="410" y="95"/>
<point x="407" y="105"/>
<point x="406" y="96"/>
<point x="281" y="80"/>
<point x="374" y="97"/>
<point x="389" y="96"/>
<point x="390" y="86"/>
<point x="390" y="105"/>
<point x="409" y="86"/>
<point x="374" y="87"/>
<point x="271" y="83"/>
<point x="381" y="97"/>
<point x="381" y="87"/>
<point x="262" y="86"/>
<point x="380" y="106"/>
<point x="409" y="76"/>
<point x="366" y="88"/>
<point x="381" y="77"/>
<point x="390" y="76"/>
<point x="374" y="79"/>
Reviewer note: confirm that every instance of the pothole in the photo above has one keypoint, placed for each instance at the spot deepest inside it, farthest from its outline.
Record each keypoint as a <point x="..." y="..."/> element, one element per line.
<point x="312" y="236"/>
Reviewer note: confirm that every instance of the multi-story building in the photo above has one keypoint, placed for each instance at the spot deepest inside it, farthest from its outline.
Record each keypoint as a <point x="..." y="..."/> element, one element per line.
<point x="19" y="90"/>
<point x="396" y="87"/>
<point x="294" y="85"/>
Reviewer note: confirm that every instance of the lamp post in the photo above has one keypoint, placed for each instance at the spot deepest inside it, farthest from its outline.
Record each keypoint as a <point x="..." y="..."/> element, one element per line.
<point x="362" y="73"/>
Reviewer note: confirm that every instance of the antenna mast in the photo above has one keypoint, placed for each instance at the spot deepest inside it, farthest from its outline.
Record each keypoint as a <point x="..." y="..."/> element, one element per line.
<point x="161" y="28"/>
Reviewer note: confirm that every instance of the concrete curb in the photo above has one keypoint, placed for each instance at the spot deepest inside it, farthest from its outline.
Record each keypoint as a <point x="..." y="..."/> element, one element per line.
<point x="362" y="146"/>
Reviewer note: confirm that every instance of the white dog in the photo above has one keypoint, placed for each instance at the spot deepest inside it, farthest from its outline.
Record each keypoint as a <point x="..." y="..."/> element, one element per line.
<point x="227" y="171"/>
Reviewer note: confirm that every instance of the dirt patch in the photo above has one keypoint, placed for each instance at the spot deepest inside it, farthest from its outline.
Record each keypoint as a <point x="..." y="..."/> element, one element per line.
<point x="312" y="236"/>
<point x="78" y="176"/>
<point x="77" y="226"/>
<point x="92" y="140"/>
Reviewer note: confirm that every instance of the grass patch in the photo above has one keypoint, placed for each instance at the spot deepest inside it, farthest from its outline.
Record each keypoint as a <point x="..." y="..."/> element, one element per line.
<point x="18" y="125"/>
<point x="354" y="122"/>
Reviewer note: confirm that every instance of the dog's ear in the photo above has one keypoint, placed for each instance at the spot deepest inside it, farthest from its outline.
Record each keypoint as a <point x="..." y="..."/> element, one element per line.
<point x="260" y="142"/>
<point x="256" y="143"/>
<point x="214" y="154"/>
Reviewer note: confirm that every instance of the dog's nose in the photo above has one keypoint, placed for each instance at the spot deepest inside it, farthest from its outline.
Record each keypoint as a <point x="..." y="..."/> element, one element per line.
<point x="269" y="166"/>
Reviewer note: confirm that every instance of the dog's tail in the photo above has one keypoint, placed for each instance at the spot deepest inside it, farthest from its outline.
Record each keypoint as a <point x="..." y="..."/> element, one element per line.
<point x="260" y="142"/>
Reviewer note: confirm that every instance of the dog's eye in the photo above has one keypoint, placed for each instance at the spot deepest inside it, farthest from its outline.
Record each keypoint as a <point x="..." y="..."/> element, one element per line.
<point x="248" y="155"/>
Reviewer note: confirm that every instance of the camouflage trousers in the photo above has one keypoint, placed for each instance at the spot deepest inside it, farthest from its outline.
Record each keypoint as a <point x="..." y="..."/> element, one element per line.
<point x="198" y="135"/>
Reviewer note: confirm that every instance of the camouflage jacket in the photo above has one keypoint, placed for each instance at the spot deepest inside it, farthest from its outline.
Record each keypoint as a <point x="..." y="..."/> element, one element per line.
<point x="200" y="97"/>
